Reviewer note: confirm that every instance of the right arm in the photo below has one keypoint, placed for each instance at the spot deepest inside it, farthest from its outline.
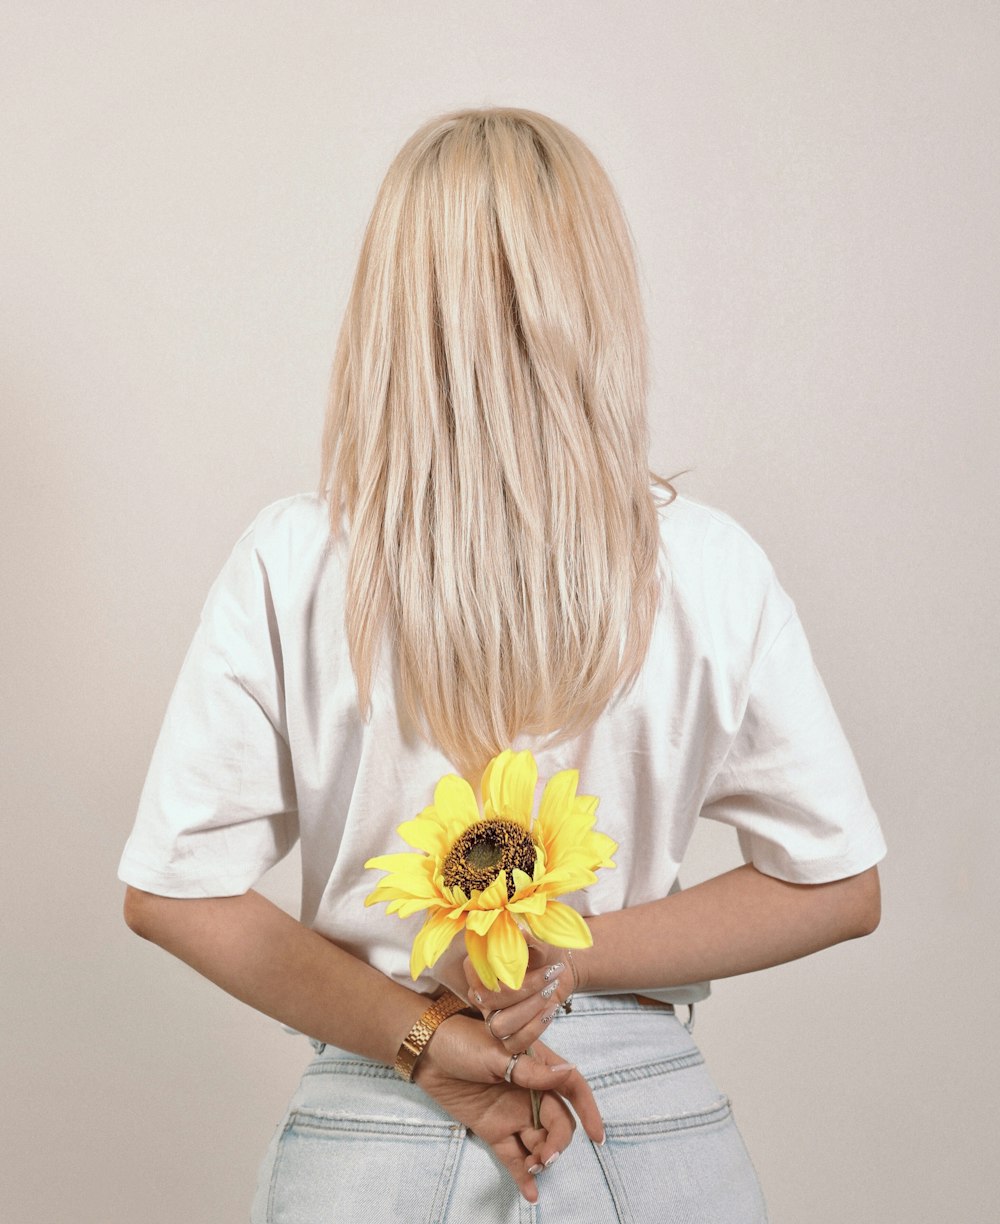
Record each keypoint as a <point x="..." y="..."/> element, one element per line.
<point x="267" y="959"/>
<point x="262" y="956"/>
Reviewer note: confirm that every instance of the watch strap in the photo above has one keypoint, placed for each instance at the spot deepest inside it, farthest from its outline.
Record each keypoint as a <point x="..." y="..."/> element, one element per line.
<point x="415" y="1041"/>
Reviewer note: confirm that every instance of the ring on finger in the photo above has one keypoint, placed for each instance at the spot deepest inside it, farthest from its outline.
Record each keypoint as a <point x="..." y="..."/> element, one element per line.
<point x="489" y="1023"/>
<point x="508" y="1074"/>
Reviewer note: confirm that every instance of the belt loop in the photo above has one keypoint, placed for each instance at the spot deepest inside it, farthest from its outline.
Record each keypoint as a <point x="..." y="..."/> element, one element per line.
<point x="689" y="1022"/>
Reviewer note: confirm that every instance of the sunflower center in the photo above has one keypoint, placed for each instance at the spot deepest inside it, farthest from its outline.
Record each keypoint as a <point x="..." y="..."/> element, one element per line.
<point x="484" y="850"/>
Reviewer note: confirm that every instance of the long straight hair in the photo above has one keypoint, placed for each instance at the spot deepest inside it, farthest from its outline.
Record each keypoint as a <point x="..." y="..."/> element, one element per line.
<point x="486" y="437"/>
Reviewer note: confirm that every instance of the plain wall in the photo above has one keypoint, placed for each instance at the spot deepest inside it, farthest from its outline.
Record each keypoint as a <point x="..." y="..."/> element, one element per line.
<point x="813" y="189"/>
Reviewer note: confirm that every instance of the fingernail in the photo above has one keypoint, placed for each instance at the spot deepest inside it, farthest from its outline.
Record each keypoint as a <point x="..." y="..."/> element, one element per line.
<point x="563" y="1067"/>
<point x="536" y="1168"/>
<point x="548" y="991"/>
<point x="604" y="1139"/>
<point x="552" y="1159"/>
<point x="552" y="970"/>
<point x="546" y="1019"/>
<point x="478" y="997"/>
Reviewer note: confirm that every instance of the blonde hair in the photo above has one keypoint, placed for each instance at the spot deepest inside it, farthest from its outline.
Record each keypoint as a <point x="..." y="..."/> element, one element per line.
<point x="486" y="436"/>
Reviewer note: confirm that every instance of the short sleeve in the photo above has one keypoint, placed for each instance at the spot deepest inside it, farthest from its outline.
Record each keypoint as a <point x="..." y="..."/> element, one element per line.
<point x="789" y="783"/>
<point x="218" y="805"/>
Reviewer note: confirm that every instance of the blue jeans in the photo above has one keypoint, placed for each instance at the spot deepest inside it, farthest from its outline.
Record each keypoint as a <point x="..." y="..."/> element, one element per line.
<point x="357" y="1143"/>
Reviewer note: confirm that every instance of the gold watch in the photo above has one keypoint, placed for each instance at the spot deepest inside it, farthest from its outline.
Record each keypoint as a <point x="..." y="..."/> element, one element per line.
<point x="415" y="1041"/>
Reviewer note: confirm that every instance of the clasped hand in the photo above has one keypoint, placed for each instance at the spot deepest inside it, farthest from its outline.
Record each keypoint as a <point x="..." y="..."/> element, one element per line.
<point x="463" y="1070"/>
<point x="517" y="1018"/>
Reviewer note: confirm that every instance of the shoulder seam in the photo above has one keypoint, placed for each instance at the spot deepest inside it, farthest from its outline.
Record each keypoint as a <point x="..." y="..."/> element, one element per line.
<point x="271" y="509"/>
<point x="727" y="520"/>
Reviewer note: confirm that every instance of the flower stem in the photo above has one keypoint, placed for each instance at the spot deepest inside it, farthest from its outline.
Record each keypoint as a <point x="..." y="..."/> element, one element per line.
<point x="536" y="1100"/>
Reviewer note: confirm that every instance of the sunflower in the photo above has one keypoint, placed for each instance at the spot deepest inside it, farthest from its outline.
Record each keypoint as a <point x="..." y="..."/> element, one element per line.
<point x="490" y="871"/>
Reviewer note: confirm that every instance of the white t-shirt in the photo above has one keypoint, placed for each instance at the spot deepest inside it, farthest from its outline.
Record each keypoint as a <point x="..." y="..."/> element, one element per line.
<point x="262" y="744"/>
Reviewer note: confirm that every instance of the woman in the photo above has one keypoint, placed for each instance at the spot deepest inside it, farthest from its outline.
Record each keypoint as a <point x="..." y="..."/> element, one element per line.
<point x="488" y="568"/>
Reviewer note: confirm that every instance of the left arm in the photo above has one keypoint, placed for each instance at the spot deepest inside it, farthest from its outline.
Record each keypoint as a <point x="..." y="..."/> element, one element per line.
<point x="736" y="922"/>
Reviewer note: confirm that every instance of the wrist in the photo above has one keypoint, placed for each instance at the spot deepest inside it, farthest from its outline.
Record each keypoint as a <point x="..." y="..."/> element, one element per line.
<point x="422" y="1031"/>
<point x="459" y="1049"/>
<point x="582" y="962"/>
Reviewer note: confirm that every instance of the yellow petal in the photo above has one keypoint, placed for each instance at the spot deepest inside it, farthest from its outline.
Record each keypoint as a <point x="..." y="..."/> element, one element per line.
<point x="430" y="941"/>
<point x="455" y="894"/>
<point x="507" y="951"/>
<point x="586" y="807"/>
<point x="455" y="801"/>
<point x="401" y="862"/>
<point x="564" y="880"/>
<point x="452" y="826"/>
<point x="485" y="786"/>
<point x="517" y="788"/>
<point x="591" y="850"/>
<point x="492" y="799"/>
<point x="407" y="907"/>
<point x="573" y="843"/>
<point x="387" y="892"/>
<point x="399" y="885"/>
<point x="533" y="904"/>
<point x="427" y="835"/>
<point x="560" y="925"/>
<point x="556" y="805"/>
<point x="495" y="896"/>
<point x="475" y="945"/>
<point x="480" y="921"/>
<point x="509" y="787"/>
<point x="602" y="847"/>
<point x="492" y="777"/>
<point x="521" y="880"/>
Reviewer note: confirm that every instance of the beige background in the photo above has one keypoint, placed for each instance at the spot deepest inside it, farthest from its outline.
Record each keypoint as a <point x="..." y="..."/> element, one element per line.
<point x="813" y="189"/>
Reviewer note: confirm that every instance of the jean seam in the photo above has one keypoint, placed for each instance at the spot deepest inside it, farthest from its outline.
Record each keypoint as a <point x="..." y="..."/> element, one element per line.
<point x="279" y="1155"/>
<point x="623" y="1213"/>
<point x="719" y="1112"/>
<point x="375" y="1124"/>
<point x="350" y="1066"/>
<point x="446" y="1179"/>
<point x="663" y="1066"/>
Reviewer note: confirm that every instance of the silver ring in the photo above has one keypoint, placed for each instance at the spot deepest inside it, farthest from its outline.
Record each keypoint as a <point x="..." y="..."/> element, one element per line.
<point x="489" y="1022"/>
<point x="510" y="1068"/>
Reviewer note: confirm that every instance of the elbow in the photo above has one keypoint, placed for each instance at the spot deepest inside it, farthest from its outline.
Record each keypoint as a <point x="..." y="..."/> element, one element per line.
<point x="134" y="910"/>
<point x="866" y="910"/>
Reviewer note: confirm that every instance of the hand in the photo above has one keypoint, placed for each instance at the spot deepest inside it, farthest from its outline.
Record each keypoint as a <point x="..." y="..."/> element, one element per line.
<point x="449" y="969"/>
<point x="462" y="1069"/>
<point x="523" y="1015"/>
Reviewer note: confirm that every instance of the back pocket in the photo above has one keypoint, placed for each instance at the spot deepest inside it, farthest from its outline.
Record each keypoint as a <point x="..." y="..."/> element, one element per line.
<point x="691" y="1166"/>
<point x="673" y="1149"/>
<point x="331" y="1166"/>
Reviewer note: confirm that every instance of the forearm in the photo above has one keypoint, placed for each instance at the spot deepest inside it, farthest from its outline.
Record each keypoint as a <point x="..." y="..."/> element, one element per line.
<point x="262" y="956"/>
<point x="734" y="923"/>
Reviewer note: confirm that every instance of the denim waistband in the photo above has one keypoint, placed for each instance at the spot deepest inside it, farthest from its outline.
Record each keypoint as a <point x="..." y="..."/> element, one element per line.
<point x="597" y="1003"/>
<point x="617" y="1002"/>
<point x="589" y="1004"/>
